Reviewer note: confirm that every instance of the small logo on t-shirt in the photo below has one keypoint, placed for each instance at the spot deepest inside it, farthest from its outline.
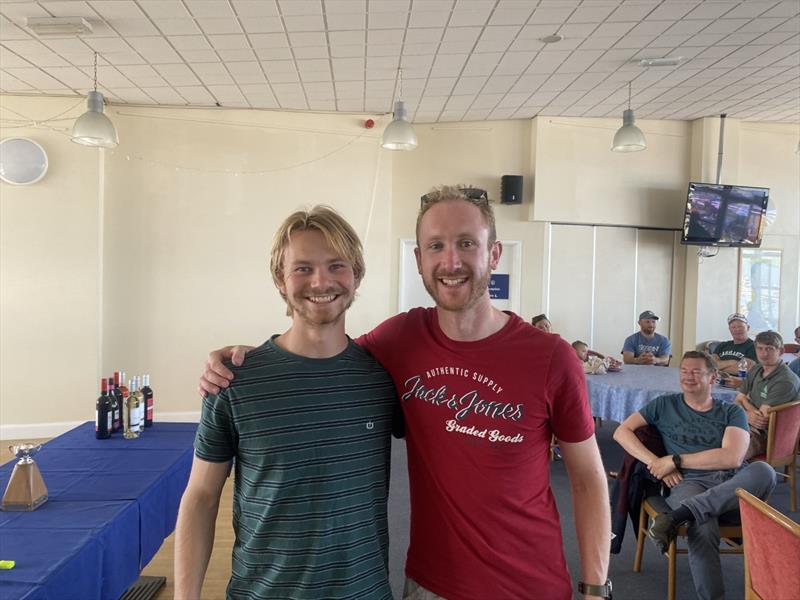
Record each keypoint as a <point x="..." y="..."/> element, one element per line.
<point x="370" y="424"/>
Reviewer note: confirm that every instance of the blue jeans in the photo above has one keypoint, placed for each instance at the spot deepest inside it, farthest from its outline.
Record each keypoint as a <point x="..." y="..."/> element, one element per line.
<point x="708" y="495"/>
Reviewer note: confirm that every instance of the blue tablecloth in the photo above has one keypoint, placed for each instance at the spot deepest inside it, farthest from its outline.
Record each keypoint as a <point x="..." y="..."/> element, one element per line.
<point x="111" y="504"/>
<point x="615" y="396"/>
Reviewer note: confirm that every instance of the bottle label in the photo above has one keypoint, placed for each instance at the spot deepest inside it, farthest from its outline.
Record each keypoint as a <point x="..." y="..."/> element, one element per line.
<point x="109" y="425"/>
<point x="149" y="409"/>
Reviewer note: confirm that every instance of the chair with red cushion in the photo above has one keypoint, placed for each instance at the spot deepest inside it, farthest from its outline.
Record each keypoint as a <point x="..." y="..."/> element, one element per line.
<point x="782" y="438"/>
<point x="771" y="551"/>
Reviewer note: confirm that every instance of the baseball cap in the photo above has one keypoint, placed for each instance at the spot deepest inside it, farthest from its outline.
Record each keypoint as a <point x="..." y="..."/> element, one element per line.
<point x="648" y="314"/>
<point x="738" y="317"/>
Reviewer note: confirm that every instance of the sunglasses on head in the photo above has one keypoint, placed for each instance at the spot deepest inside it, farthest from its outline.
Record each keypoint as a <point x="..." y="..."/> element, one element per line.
<point x="474" y="195"/>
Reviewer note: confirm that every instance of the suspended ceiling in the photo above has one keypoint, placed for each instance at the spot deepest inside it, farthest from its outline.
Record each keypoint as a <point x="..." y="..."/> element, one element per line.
<point x="461" y="60"/>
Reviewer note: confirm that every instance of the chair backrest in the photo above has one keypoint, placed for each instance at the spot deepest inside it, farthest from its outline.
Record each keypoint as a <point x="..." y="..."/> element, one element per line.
<point x="771" y="549"/>
<point x="784" y="430"/>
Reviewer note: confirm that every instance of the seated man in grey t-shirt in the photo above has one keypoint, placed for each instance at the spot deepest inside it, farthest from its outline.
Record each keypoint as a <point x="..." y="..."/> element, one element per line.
<point x="646" y="347"/>
<point x="706" y="441"/>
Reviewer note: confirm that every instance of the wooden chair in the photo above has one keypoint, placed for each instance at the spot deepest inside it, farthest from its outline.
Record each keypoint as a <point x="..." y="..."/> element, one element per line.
<point x="782" y="438"/>
<point x="652" y="506"/>
<point x="771" y="551"/>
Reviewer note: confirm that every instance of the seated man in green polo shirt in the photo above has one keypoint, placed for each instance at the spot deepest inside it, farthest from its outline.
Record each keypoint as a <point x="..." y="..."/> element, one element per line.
<point x="770" y="383"/>
<point x="308" y="420"/>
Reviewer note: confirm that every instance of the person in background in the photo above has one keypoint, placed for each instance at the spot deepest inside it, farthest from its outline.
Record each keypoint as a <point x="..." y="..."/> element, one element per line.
<point x="727" y="355"/>
<point x="542" y="322"/>
<point x="581" y="349"/>
<point x="646" y="347"/>
<point x="482" y="392"/>
<point x="706" y="441"/>
<point x="770" y="383"/>
<point x="308" y="421"/>
<point x="584" y="352"/>
<point x="794" y="366"/>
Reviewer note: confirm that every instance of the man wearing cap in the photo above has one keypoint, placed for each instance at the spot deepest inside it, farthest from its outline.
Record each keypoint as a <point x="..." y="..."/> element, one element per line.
<point x="728" y="354"/>
<point x="769" y="383"/>
<point x="646" y="347"/>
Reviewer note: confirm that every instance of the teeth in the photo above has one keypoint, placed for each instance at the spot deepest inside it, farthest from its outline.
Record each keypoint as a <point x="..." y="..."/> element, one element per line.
<point x="453" y="281"/>
<point x="321" y="299"/>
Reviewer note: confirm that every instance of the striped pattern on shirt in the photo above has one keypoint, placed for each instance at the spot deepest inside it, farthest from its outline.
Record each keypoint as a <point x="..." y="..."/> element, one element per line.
<point x="311" y="439"/>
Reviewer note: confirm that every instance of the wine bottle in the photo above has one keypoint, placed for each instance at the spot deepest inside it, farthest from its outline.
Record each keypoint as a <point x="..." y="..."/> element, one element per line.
<point x="131" y="414"/>
<point x="116" y="411"/>
<point x="102" y="413"/>
<point x="118" y="396"/>
<point x="137" y="391"/>
<point x="147" y="391"/>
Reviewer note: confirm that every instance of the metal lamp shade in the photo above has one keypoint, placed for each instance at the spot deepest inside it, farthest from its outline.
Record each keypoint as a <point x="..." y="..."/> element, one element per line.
<point x="629" y="138"/>
<point x="399" y="135"/>
<point x="93" y="128"/>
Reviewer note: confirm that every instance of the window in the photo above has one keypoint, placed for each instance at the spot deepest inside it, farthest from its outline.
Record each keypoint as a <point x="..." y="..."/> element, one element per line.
<point x="760" y="287"/>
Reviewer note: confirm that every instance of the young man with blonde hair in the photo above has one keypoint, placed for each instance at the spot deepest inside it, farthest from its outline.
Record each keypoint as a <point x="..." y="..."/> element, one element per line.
<point x="483" y="392"/>
<point x="308" y="420"/>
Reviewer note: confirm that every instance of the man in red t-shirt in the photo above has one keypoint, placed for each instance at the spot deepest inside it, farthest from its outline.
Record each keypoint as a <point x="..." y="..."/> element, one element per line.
<point x="482" y="392"/>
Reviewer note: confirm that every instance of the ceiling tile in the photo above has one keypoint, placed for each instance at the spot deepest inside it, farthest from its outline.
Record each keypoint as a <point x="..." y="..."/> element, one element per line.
<point x="202" y="9"/>
<point x="178" y="27"/>
<point x="338" y="22"/>
<point x="262" y="24"/>
<point x="304" y="23"/>
<point x="219" y="26"/>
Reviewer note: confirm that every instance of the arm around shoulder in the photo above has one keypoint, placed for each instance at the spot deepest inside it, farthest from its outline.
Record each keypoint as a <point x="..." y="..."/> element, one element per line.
<point x="194" y="532"/>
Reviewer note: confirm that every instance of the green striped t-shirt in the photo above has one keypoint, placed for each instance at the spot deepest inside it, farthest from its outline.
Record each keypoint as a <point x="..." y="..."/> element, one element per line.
<point x="311" y="438"/>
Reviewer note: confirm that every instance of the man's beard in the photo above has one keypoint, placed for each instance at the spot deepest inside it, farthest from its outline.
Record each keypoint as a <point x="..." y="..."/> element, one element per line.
<point x="477" y="288"/>
<point x="317" y="318"/>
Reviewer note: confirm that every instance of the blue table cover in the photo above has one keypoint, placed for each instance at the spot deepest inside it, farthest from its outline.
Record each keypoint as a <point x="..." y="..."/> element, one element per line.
<point x="615" y="396"/>
<point x="111" y="504"/>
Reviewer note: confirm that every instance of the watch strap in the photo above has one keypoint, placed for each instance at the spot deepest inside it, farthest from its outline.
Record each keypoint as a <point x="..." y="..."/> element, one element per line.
<point x="591" y="589"/>
<point x="676" y="460"/>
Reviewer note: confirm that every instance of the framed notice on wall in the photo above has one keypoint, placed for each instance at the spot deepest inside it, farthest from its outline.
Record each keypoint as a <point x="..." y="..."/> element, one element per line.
<point x="505" y="285"/>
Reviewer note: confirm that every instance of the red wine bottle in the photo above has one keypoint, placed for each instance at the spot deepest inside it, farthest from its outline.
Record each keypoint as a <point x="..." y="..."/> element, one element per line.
<point x="116" y="406"/>
<point x="148" y="401"/>
<point x="118" y="395"/>
<point x="102" y="413"/>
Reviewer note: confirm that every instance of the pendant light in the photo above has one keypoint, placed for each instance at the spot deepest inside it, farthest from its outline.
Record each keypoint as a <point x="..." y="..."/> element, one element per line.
<point x="399" y="135"/>
<point x="629" y="138"/>
<point x="93" y="128"/>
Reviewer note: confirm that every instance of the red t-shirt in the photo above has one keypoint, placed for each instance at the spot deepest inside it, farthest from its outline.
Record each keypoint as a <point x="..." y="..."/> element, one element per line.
<point x="479" y="417"/>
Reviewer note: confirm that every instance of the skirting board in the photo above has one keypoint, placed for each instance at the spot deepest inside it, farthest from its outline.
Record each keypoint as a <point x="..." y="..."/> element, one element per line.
<point x="37" y="431"/>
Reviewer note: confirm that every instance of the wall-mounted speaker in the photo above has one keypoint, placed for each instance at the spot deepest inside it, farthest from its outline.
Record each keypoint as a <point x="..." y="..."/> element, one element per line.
<point x="511" y="189"/>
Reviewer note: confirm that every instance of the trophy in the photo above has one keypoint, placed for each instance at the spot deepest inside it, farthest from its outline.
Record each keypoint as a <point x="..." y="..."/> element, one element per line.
<point x="26" y="490"/>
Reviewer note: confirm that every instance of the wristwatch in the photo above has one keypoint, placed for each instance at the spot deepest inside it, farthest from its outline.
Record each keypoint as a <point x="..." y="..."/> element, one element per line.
<point x="676" y="460"/>
<point x="591" y="589"/>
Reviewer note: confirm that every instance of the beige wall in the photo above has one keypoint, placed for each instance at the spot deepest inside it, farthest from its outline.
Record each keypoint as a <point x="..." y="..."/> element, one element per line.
<point x="190" y="199"/>
<point x="49" y="278"/>
<point x="578" y="179"/>
<point x="757" y="155"/>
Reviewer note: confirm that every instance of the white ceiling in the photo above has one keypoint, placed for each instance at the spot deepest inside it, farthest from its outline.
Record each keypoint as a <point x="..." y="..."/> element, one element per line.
<point x="462" y="60"/>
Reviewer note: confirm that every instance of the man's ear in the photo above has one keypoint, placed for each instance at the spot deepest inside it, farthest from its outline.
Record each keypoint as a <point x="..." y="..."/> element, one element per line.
<point x="279" y="283"/>
<point x="419" y="260"/>
<point x="495" y="252"/>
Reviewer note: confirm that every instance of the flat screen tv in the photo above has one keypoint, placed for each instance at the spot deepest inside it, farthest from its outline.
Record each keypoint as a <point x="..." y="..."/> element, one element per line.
<point x="724" y="215"/>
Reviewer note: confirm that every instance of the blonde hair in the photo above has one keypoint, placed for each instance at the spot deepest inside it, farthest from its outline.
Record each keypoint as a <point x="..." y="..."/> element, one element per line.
<point x="338" y="234"/>
<point x="474" y="196"/>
